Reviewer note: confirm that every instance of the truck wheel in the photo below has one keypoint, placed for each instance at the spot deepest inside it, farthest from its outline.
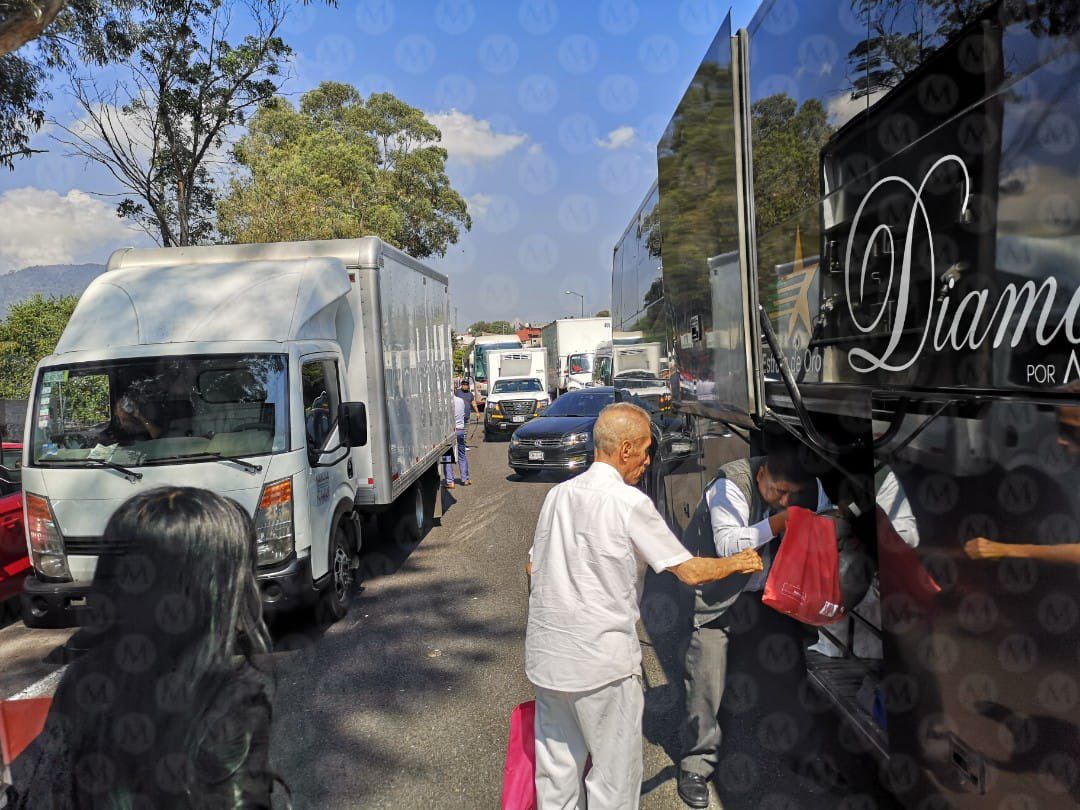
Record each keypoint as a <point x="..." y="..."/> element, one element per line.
<point x="414" y="517"/>
<point x="338" y="593"/>
<point x="522" y="472"/>
<point x="487" y="435"/>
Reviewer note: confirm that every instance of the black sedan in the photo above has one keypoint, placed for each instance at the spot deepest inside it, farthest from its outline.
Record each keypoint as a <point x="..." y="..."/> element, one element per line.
<point x="561" y="438"/>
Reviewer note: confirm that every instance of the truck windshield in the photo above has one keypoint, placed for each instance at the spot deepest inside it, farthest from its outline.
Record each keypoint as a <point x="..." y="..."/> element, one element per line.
<point x="516" y="386"/>
<point x="581" y="363"/>
<point x="159" y="410"/>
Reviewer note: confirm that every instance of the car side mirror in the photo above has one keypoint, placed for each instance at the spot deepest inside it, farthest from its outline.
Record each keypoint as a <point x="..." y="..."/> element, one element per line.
<point x="352" y="424"/>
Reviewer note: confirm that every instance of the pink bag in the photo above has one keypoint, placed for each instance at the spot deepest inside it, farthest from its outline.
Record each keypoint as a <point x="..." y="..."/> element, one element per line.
<point x="804" y="581"/>
<point x="519" y="773"/>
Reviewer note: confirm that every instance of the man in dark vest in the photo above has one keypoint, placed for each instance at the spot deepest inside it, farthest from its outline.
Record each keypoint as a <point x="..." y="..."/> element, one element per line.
<point x="744" y="507"/>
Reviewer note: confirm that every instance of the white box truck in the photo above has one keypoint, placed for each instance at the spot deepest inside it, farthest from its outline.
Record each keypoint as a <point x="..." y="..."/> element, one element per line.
<point x="309" y="381"/>
<point x="516" y="389"/>
<point x="571" y="344"/>
<point x="634" y="366"/>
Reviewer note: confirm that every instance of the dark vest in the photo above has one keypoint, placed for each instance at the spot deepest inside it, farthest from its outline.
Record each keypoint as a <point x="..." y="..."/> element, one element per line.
<point x="712" y="601"/>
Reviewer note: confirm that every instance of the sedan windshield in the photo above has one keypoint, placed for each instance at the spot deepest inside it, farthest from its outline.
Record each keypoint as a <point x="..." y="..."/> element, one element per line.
<point x="158" y="410"/>
<point x="580" y="403"/>
<point x="517" y="387"/>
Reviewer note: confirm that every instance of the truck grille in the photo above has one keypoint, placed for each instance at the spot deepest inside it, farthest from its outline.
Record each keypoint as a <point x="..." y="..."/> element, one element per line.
<point x="95" y="546"/>
<point x="519" y="407"/>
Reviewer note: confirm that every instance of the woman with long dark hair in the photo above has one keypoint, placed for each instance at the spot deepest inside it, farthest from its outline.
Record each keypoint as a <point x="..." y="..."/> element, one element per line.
<point x="169" y="708"/>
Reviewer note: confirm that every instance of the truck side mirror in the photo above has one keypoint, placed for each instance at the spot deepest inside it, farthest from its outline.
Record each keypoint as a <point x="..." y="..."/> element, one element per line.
<point x="352" y="424"/>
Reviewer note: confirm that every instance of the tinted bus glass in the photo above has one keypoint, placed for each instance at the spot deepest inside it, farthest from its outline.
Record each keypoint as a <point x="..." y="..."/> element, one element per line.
<point x="703" y="285"/>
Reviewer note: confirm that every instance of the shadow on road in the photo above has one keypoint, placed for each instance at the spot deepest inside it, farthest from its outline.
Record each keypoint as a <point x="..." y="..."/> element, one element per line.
<point x="349" y="700"/>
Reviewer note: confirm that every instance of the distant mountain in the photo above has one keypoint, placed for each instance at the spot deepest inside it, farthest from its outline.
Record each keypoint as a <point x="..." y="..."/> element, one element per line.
<point x="49" y="280"/>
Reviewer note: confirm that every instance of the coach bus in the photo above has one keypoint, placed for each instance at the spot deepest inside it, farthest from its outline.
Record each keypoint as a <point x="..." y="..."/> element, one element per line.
<point x="868" y="214"/>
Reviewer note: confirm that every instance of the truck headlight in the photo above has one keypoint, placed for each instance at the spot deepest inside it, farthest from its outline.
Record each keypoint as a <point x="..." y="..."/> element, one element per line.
<point x="274" y="535"/>
<point x="46" y="543"/>
<point x="576" y="438"/>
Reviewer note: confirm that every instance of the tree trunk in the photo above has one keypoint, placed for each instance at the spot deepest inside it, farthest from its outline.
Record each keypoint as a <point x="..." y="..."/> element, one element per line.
<point x="24" y="25"/>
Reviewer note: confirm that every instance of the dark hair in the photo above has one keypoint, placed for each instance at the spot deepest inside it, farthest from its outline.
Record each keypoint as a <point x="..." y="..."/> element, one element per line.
<point x="783" y="464"/>
<point x="168" y="706"/>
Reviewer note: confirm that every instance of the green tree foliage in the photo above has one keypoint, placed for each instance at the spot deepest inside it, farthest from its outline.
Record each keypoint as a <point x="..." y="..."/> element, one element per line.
<point x="459" y="359"/>
<point x="603" y="314"/>
<point x="189" y="81"/>
<point x="491" y="328"/>
<point x="343" y="166"/>
<point x="30" y="332"/>
<point x="51" y="34"/>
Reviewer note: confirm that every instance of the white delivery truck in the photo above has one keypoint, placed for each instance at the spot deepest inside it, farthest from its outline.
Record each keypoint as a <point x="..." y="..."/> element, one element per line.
<point x="571" y="344"/>
<point x="478" y="368"/>
<point x="634" y="366"/>
<point x="309" y="381"/>
<point x="516" y="388"/>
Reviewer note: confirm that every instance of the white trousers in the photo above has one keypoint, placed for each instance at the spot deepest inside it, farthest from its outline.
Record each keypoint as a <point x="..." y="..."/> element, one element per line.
<point x="604" y="723"/>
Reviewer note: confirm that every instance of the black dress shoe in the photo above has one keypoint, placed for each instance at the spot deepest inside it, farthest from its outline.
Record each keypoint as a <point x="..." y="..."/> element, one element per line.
<point x="693" y="789"/>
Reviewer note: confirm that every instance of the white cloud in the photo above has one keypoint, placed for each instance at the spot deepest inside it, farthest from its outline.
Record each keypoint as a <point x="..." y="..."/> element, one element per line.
<point x="43" y="227"/>
<point x="535" y="148"/>
<point x="478" y="203"/>
<point x="618" y="138"/>
<point x="472" y="140"/>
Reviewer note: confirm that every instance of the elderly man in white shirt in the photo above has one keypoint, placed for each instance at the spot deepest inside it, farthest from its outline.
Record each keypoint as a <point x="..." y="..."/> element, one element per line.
<point x="746" y="507"/>
<point x="595" y="536"/>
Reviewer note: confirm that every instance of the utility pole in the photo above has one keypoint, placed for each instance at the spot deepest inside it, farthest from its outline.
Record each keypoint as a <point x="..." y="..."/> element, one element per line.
<point x="579" y="295"/>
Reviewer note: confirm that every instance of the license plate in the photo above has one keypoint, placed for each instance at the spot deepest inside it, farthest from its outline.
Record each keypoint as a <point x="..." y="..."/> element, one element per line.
<point x="517" y="418"/>
<point x="536" y="455"/>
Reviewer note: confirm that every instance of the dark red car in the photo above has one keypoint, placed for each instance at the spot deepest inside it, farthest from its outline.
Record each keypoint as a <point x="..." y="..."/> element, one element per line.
<point x="14" y="564"/>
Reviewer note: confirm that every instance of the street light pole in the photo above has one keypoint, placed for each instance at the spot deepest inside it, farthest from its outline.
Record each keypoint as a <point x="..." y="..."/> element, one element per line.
<point x="579" y="295"/>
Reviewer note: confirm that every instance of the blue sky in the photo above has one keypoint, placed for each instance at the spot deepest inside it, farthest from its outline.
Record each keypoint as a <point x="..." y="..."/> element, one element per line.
<point x="550" y="110"/>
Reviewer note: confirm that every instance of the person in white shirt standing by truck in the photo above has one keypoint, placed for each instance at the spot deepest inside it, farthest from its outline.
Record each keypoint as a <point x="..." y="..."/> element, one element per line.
<point x="462" y="457"/>
<point x="595" y="535"/>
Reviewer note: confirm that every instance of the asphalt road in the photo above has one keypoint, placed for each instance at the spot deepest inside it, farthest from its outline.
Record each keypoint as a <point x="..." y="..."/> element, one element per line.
<point x="405" y="703"/>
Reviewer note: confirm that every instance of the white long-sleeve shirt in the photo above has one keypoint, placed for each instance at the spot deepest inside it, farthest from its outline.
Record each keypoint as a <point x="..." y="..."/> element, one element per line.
<point x="729" y="514"/>
<point x="594" y="538"/>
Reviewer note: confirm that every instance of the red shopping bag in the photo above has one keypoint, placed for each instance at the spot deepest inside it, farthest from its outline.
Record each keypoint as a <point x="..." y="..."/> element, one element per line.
<point x="519" y="772"/>
<point x="804" y="581"/>
<point x="905" y="582"/>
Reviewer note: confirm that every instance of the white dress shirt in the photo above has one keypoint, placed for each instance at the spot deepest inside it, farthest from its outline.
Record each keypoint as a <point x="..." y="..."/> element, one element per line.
<point x="593" y="540"/>
<point x="732" y="531"/>
<point x="459" y="413"/>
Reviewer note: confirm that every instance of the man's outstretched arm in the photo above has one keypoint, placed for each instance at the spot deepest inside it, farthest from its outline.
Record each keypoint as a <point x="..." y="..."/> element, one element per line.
<point x="703" y="570"/>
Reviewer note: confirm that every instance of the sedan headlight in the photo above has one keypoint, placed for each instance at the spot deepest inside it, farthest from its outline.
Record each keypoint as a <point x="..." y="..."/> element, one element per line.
<point x="576" y="438"/>
<point x="514" y="440"/>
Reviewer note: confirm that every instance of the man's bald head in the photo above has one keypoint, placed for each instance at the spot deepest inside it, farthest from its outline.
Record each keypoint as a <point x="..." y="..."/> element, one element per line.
<point x="618" y="423"/>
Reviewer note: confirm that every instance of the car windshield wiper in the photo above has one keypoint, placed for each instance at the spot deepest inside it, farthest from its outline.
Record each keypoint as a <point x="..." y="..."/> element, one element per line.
<point x="247" y="465"/>
<point x="130" y="474"/>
